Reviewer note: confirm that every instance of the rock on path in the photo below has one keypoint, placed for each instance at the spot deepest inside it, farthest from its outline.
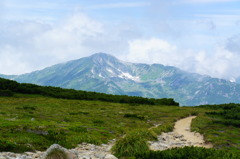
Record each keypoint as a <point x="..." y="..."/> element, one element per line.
<point x="82" y="151"/>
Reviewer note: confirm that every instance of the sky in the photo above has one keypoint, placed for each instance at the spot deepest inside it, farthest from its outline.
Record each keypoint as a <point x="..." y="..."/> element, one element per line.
<point x="200" y="36"/>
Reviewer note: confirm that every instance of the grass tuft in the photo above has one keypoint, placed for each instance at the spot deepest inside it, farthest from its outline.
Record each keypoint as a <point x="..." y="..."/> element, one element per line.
<point x="136" y="116"/>
<point x="188" y="153"/>
<point x="134" y="143"/>
<point x="56" y="152"/>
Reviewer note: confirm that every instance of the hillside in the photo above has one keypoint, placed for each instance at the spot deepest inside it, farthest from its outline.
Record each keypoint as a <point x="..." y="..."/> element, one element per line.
<point x="34" y="121"/>
<point x="41" y="121"/>
<point x="106" y="74"/>
<point x="9" y="87"/>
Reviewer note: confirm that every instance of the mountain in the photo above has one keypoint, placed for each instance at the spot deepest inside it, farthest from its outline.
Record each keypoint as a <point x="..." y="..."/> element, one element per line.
<point x="238" y="80"/>
<point x="105" y="73"/>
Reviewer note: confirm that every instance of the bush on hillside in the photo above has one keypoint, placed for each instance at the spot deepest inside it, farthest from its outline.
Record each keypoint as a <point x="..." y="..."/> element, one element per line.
<point x="57" y="92"/>
<point x="6" y="93"/>
<point x="134" y="142"/>
<point x="136" y="116"/>
<point x="229" y="114"/>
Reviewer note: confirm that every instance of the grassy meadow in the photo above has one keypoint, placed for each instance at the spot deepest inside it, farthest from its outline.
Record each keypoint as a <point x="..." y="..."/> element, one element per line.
<point x="34" y="117"/>
<point x="220" y="125"/>
<point x="34" y="122"/>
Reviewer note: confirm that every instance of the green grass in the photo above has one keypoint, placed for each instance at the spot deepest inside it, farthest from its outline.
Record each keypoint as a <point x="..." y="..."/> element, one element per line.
<point x="222" y="136"/>
<point x="133" y="143"/>
<point x="188" y="153"/>
<point x="33" y="122"/>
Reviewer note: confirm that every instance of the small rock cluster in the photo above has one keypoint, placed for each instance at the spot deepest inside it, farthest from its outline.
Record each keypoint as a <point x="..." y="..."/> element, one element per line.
<point x="90" y="151"/>
<point x="170" y="140"/>
<point x="82" y="151"/>
<point x="26" y="155"/>
<point x="58" y="152"/>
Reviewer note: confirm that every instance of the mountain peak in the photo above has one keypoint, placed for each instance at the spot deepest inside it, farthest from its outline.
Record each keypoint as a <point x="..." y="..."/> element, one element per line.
<point x="101" y="55"/>
<point x="102" y="58"/>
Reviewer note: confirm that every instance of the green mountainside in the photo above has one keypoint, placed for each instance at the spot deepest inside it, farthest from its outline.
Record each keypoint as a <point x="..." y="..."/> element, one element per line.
<point x="106" y="74"/>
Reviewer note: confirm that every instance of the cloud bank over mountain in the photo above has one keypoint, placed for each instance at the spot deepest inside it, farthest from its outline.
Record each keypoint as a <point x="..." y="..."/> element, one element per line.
<point x="37" y="34"/>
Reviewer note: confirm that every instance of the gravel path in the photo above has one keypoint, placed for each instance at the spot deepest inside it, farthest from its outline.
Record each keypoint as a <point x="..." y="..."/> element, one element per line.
<point x="183" y="127"/>
<point x="180" y="137"/>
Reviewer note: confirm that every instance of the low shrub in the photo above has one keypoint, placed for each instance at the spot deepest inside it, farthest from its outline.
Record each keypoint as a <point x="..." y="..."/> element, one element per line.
<point x="136" y="116"/>
<point x="134" y="142"/>
<point x="57" y="136"/>
<point x="98" y="121"/>
<point x="7" y="145"/>
<point x="27" y="108"/>
<point x="57" y="92"/>
<point x="188" y="153"/>
<point x="78" y="129"/>
<point x="78" y="113"/>
<point x="6" y="93"/>
<point x="194" y="113"/>
<point x="166" y="127"/>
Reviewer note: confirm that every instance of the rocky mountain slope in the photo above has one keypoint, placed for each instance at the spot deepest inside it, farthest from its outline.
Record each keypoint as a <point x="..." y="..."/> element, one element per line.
<point x="105" y="73"/>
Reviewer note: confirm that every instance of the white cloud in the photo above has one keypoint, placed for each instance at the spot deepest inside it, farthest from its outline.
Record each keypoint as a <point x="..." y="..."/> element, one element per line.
<point x="30" y="45"/>
<point x="195" y="45"/>
<point x="220" y="63"/>
<point x="219" y="16"/>
<point x="208" y="23"/>
<point x="2" y="9"/>
<point x="233" y="44"/>
<point x="11" y="59"/>
<point x="207" y="1"/>
<point x="119" y="5"/>
<point x="222" y="20"/>
<point x="151" y="51"/>
<point x="47" y="11"/>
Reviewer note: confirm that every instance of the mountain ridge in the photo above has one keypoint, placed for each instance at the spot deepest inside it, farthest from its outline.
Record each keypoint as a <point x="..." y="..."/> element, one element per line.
<point x="104" y="73"/>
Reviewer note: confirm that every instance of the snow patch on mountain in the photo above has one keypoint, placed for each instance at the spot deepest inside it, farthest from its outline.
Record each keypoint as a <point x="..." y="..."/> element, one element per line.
<point x="232" y="80"/>
<point x="109" y="70"/>
<point x="92" y="71"/>
<point x="196" y="92"/>
<point x="100" y="75"/>
<point x="126" y="75"/>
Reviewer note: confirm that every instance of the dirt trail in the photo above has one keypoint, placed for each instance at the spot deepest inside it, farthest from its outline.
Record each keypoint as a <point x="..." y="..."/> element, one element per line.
<point x="180" y="137"/>
<point x="183" y="127"/>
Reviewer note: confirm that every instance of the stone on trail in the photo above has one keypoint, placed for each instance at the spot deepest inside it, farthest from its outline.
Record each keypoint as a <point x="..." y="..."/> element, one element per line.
<point x="58" y="152"/>
<point x="109" y="156"/>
